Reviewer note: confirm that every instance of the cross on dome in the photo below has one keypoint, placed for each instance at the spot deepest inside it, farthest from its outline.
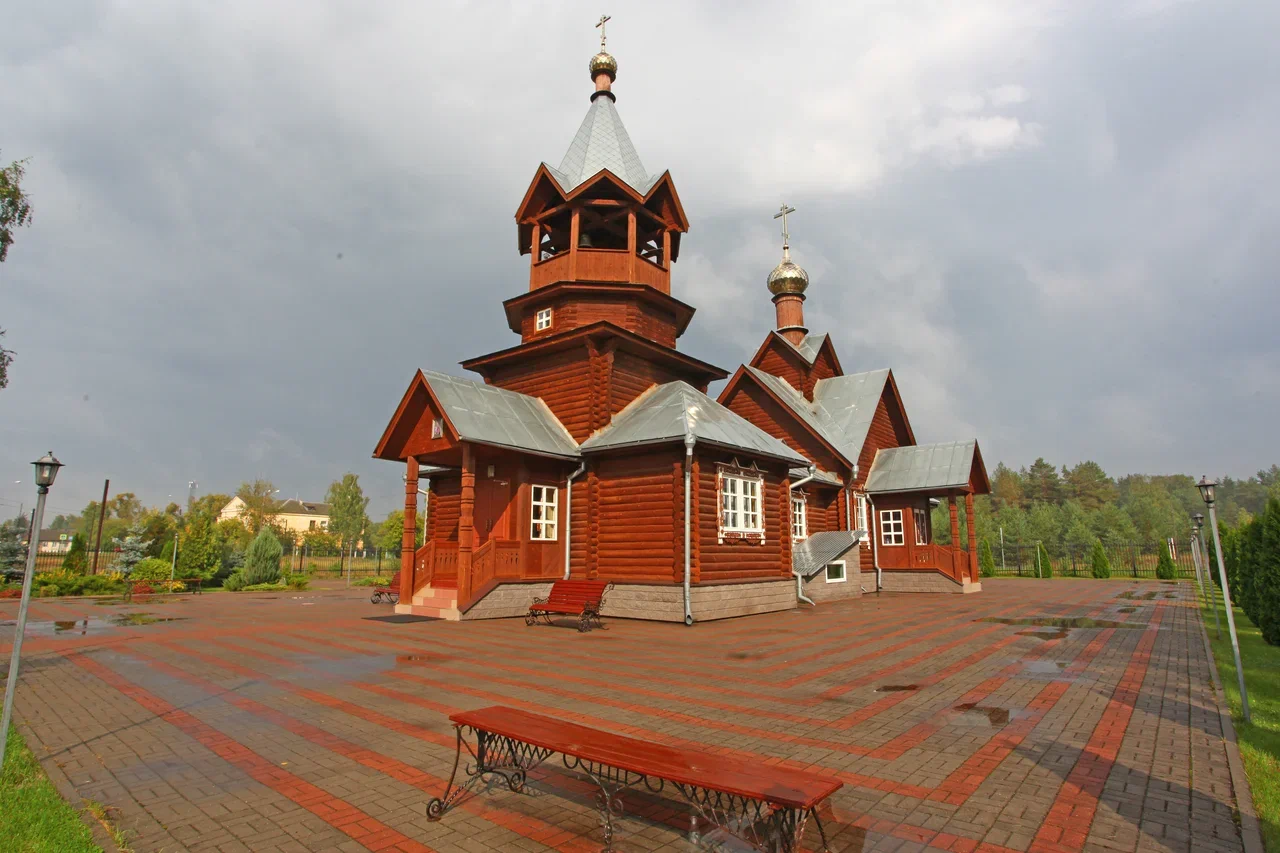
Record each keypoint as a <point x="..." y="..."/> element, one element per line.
<point x="603" y="20"/>
<point x="782" y="214"/>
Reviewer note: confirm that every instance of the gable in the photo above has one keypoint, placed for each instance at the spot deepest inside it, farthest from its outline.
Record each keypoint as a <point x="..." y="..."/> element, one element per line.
<point x="889" y="428"/>
<point x="409" y="431"/>
<point x="756" y="405"/>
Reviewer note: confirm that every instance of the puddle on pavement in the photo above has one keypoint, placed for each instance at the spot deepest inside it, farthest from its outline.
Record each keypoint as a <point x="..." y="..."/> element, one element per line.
<point x="85" y="625"/>
<point x="970" y="712"/>
<point x="1063" y="623"/>
<point x="126" y="619"/>
<point x="148" y="600"/>
<point x="1146" y="596"/>
<point x="1045" y="635"/>
<point x="1128" y="610"/>
<point x="896" y="688"/>
<point x="746" y="655"/>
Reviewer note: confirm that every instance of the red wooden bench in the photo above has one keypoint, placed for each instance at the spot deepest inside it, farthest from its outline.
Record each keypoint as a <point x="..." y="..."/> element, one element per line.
<point x="582" y="599"/>
<point x="389" y="593"/>
<point x="765" y="805"/>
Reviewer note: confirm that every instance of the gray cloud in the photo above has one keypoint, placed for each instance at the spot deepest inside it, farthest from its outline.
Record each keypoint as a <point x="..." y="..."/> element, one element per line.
<point x="1055" y="221"/>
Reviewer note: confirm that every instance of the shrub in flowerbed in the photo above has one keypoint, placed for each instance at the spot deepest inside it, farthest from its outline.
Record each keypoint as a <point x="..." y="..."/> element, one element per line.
<point x="143" y="589"/>
<point x="265" y="587"/>
<point x="371" y="581"/>
<point x="151" y="569"/>
<point x="262" y="560"/>
<point x="47" y="591"/>
<point x="13" y="592"/>
<point x="66" y="583"/>
<point x="235" y="581"/>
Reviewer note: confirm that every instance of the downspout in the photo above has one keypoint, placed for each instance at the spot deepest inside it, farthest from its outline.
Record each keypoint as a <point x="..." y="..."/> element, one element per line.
<point x="875" y="549"/>
<point x="568" y="512"/>
<point x="688" y="520"/>
<point x="813" y="472"/>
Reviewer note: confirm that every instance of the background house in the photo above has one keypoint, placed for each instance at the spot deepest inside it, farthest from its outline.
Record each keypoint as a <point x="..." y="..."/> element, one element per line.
<point x="296" y="516"/>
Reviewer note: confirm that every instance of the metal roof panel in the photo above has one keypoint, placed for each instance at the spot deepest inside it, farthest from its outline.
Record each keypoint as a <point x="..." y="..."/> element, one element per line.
<point x="946" y="465"/>
<point x="489" y="415"/>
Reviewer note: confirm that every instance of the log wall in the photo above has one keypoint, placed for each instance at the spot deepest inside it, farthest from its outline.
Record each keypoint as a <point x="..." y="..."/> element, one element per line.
<point x="635" y="527"/>
<point x="446" y="508"/>
<point x="739" y="559"/>
<point x="562" y="380"/>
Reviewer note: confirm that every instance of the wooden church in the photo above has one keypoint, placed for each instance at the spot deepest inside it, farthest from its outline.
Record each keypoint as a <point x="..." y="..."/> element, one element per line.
<point x="591" y="449"/>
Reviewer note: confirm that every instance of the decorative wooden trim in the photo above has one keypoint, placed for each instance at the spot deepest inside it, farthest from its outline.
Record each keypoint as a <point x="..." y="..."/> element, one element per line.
<point x="593" y="524"/>
<point x="466" y="520"/>
<point x="784" y="499"/>
<point x="409" y="532"/>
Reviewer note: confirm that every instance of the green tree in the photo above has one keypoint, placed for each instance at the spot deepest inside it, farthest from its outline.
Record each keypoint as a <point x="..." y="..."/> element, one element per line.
<point x="76" y="560"/>
<point x="13" y="556"/>
<point x="1007" y="488"/>
<point x="986" y="560"/>
<point x="199" y="551"/>
<point x="1088" y="484"/>
<point x="262" y="560"/>
<point x="15" y="206"/>
<point x="1165" y="569"/>
<point x="6" y="359"/>
<point x="1098" y="562"/>
<point x="1266" y="582"/>
<point x="347" y="505"/>
<point x="126" y="507"/>
<point x="259" y="504"/>
<point x="1042" y="483"/>
<point x="390" y="533"/>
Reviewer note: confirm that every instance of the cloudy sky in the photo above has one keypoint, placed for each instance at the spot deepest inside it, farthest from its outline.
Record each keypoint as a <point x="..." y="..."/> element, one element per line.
<point x="1056" y="221"/>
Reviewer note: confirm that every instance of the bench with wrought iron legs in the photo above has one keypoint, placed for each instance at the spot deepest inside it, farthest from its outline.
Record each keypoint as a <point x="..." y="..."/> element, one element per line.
<point x="389" y="593"/>
<point x="765" y="805"/>
<point x="580" y="599"/>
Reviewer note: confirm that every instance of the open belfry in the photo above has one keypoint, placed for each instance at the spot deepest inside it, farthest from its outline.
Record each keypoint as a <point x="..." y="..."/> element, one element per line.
<point x="591" y="450"/>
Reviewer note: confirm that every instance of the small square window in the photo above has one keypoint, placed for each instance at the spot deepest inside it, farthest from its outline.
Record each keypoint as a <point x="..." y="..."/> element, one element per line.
<point x="835" y="573"/>
<point x="542" y="320"/>
<point x="891" y="527"/>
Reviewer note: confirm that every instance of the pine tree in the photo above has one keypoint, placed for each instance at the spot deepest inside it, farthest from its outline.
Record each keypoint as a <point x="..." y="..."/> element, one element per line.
<point x="13" y="557"/>
<point x="133" y="550"/>
<point x="1165" y="570"/>
<point x="200" y="551"/>
<point x="262" y="560"/>
<point x="1099" y="563"/>
<point x="76" y="561"/>
<point x="986" y="560"/>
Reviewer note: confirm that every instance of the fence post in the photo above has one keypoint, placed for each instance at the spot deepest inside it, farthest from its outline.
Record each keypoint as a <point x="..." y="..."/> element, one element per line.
<point x="1133" y="556"/>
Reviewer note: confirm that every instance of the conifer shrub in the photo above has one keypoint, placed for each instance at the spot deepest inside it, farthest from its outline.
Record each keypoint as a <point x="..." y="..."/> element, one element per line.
<point x="1099" y="565"/>
<point x="262" y="559"/>
<point x="76" y="560"/>
<point x="1165" y="570"/>
<point x="234" y="582"/>
<point x="1042" y="557"/>
<point x="986" y="560"/>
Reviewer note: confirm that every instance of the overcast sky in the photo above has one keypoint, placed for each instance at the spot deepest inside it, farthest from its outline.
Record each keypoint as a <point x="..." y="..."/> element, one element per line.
<point x="1058" y="223"/>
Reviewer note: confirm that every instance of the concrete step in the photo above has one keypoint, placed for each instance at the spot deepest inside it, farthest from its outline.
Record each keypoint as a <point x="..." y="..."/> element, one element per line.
<point x="450" y="613"/>
<point x="436" y="598"/>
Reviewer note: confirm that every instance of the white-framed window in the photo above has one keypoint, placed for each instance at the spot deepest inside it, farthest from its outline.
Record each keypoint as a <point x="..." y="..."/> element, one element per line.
<point x="891" y="527"/>
<point x="921" y="518"/>
<point x="835" y="572"/>
<point x="860" y="523"/>
<point x="740" y="510"/>
<point x="543" y="516"/>
<point x="542" y="320"/>
<point x="437" y="428"/>
<point x="799" y="518"/>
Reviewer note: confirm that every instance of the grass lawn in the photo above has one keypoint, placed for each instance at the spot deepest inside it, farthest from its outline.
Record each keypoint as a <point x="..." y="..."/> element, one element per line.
<point x="32" y="815"/>
<point x="1259" y="741"/>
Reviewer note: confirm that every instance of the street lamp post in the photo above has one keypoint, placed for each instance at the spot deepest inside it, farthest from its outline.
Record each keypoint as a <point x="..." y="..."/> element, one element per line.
<point x="1198" y="518"/>
<point x="1207" y="488"/>
<point x="1195" y="558"/>
<point x="46" y="470"/>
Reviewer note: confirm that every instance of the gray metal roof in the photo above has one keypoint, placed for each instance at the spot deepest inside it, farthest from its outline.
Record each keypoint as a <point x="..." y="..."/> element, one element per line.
<point x="824" y="477"/>
<point x="809" y="556"/>
<point x="809" y="347"/>
<point x="670" y="412"/>
<point x="602" y="143"/>
<point x="488" y="415"/>
<point x="926" y="466"/>
<point x="842" y="407"/>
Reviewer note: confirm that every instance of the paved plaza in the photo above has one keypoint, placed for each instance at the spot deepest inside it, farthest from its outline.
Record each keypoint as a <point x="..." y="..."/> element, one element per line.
<point x="291" y="722"/>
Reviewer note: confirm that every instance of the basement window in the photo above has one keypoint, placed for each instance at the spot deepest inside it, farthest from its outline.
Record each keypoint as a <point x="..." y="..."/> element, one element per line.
<point x="799" y="519"/>
<point x="835" y="572"/>
<point x="542" y="320"/>
<point x="740" y="514"/>
<point x="891" y="527"/>
<point x="543" y="513"/>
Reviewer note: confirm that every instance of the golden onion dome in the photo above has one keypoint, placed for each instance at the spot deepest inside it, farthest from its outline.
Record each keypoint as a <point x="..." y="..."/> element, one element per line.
<point x="604" y="62"/>
<point x="788" y="277"/>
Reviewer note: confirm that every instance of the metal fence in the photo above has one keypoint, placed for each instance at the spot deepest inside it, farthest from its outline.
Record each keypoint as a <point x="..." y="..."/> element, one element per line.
<point x="328" y="563"/>
<point x="1128" y="560"/>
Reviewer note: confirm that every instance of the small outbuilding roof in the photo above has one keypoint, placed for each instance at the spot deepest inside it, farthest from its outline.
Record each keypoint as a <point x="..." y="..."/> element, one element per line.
<point x="669" y="412"/>
<point x="809" y="556"/>
<point x="924" y="467"/>
<point x="495" y="416"/>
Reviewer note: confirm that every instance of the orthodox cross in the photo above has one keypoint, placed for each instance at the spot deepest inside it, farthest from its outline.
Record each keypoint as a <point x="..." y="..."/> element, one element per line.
<point x="782" y="214"/>
<point x="603" y="20"/>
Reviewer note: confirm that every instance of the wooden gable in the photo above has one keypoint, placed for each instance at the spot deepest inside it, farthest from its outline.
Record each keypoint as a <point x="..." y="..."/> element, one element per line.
<point x="749" y="399"/>
<point x="410" y="431"/>
<point x="889" y="428"/>
<point x="779" y="357"/>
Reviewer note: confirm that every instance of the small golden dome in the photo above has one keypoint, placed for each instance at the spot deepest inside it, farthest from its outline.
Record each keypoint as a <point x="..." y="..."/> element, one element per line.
<point x="604" y="63"/>
<point x="788" y="277"/>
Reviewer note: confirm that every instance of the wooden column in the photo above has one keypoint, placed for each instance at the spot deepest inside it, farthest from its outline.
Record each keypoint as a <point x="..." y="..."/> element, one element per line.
<point x="536" y="243"/>
<point x="631" y="245"/>
<point x="466" y="522"/>
<point x="409" y="537"/>
<point x="973" y="536"/>
<point x="955" y="533"/>
<point x="573" y="246"/>
<point x="666" y="250"/>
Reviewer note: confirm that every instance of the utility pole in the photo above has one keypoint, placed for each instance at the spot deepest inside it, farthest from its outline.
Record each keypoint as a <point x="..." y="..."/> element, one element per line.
<point x="1207" y="488"/>
<point x="102" y="514"/>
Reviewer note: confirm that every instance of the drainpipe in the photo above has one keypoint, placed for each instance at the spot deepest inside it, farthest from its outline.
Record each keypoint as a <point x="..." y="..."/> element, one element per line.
<point x="568" y="512"/>
<point x="813" y="472"/>
<point x="688" y="520"/>
<point x="875" y="548"/>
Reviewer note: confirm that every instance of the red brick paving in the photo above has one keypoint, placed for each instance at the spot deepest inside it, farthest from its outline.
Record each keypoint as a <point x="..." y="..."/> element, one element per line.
<point x="265" y="723"/>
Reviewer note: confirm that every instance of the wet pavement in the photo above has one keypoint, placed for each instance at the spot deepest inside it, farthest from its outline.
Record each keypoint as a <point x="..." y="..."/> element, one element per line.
<point x="1037" y="715"/>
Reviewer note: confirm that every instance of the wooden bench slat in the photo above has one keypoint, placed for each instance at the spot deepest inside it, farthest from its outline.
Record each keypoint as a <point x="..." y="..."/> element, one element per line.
<point x="779" y="785"/>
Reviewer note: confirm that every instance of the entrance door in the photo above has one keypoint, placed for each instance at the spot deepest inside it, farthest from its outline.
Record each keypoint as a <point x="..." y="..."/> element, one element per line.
<point x="493" y="499"/>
